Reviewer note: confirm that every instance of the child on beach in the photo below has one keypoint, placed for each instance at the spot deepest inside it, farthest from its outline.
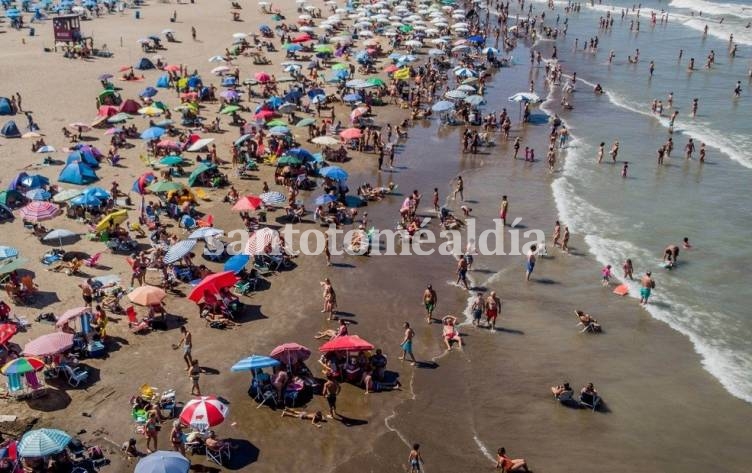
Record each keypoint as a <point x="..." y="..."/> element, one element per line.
<point x="628" y="269"/>
<point x="606" y="273"/>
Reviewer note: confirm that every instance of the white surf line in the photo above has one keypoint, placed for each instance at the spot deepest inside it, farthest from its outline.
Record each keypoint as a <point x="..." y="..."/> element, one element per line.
<point x="483" y="449"/>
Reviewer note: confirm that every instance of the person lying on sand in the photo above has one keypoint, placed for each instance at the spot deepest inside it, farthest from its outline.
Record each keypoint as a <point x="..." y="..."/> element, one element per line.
<point x="316" y="418"/>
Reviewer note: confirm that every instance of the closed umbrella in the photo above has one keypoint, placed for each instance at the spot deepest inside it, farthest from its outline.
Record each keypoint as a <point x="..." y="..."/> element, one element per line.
<point x="147" y="295"/>
<point x="163" y="462"/>
<point x="38" y="211"/>
<point x="49" y="344"/>
<point x="254" y="362"/>
<point x="42" y="443"/>
<point x="178" y="250"/>
<point x="204" y="412"/>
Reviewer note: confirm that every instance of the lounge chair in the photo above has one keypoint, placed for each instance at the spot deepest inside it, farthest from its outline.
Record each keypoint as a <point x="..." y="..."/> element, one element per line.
<point x="591" y="327"/>
<point x="218" y="456"/>
<point x="74" y="375"/>
<point x="93" y="262"/>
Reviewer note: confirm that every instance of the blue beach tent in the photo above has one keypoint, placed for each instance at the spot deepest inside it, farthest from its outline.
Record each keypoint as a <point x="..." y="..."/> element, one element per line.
<point x="5" y="108"/>
<point x="85" y="157"/>
<point x="10" y="130"/>
<point x="144" y="64"/>
<point x="163" y="82"/>
<point x="77" y="173"/>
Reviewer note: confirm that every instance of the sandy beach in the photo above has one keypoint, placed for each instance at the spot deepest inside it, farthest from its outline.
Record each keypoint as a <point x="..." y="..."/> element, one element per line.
<point x="662" y="411"/>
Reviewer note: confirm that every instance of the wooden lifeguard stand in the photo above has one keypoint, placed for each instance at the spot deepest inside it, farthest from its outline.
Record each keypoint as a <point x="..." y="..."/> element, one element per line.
<point x="67" y="28"/>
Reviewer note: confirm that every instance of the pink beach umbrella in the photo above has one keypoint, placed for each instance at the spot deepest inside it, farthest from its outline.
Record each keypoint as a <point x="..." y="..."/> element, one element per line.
<point x="69" y="315"/>
<point x="50" y="344"/>
<point x="260" y="240"/>
<point x="204" y="412"/>
<point x="262" y="77"/>
<point x="290" y="353"/>
<point x="351" y="134"/>
<point x="38" y="211"/>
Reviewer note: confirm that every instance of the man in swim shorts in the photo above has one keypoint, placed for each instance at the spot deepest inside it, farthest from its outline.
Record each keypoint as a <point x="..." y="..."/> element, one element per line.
<point x="647" y="286"/>
<point x="407" y="343"/>
<point x="429" y="301"/>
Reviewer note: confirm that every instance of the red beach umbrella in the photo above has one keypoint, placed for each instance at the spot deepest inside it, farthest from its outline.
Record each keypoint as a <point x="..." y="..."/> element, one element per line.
<point x="248" y="202"/>
<point x="301" y="38"/>
<point x="39" y="210"/>
<point x="351" y="133"/>
<point x="346" y="343"/>
<point x="290" y="353"/>
<point x="212" y="283"/>
<point x="6" y="332"/>
<point x="50" y="344"/>
<point x="204" y="412"/>
<point x="262" y="77"/>
<point x="260" y="240"/>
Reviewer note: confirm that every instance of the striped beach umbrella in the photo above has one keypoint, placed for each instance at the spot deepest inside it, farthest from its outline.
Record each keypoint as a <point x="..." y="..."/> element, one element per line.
<point x="8" y="252"/>
<point x="49" y="344"/>
<point x="38" y="211"/>
<point x="178" y="250"/>
<point x="42" y="443"/>
<point x="206" y="411"/>
<point x="273" y="198"/>
<point x="260" y="240"/>
<point x="22" y="365"/>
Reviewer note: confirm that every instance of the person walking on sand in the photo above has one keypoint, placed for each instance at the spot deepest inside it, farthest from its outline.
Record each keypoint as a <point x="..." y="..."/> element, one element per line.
<point x="459" y="189"/>
<point x="648" y="284"/>
<point x="187" y="343"/>
<point x="429" y="302"/>
<point x="477" y="309"/>
<point x="436" y="199"/>
<point x="331" y="391"/>
<point x="565" y="240"/>
<point x="462" y="272"/>
<point x="327" y="252"/>
<point x="530" y="265"/>
<point x="503" y="209"/>
<point x="415" y="459"/>
<point x="493" y="308"/>
<point x="195" y="373"/>
<point x="407" y="343"/>
<point x="557" y="234"/>
<point x="193" y="33"/>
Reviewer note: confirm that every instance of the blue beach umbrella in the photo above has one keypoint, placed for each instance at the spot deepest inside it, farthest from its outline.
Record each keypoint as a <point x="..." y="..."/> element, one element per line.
<point x="242" y="140"/>
<point x="148" y="92"/>
<point x="325" y="199"/>
<point x="334" y="172"/>
<point x="97" y="192"/>
<point x="163" y="462"/>
<point x="42" y="443"/>
<point x="152" y="133"/>
<point x="301" y="153"/>
<point x="442" y="106"/>
<point x="279" y="130"/>
<point x="86" y="200"/>
<point x="236" y="263"/>
<point x="8" y="252"/>
<point x="254" y="362"/>
<point x="12" y="13"/>
<point x="37" y="194"/>
<point x="273" y="198"/>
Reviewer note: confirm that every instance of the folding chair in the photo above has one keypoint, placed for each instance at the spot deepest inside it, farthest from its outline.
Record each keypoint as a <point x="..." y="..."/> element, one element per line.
<point x="217" y="456"/>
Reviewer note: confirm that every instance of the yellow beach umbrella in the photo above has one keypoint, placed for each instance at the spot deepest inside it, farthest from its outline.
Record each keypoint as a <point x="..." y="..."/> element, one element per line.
<point x="150" y="111"/>
<point x="114" y="218"/>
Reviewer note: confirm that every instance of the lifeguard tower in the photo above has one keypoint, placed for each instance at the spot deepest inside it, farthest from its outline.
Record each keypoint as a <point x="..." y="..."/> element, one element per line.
<point x="67" y="28"/>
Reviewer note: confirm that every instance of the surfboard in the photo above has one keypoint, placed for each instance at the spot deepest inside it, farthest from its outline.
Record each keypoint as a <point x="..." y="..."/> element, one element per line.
<point x="621" y="290"/>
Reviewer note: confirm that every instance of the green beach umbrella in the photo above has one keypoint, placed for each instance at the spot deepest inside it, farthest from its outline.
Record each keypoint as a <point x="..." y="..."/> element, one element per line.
<point x="340" y="66"/>
<point x="305" y="122"/>
<point x="160" y="105"/>
<point x="406" y="28"/>
<point x="289" y="161"/>
<point x="106" y="93"/>
<point x="323" y="48"/>
<point x="229" y="109"/>
<point x="202" y="168"/>
<point x="171" y="160"/>
<point x="165" y="186"/>
<point x="276" y="122"/>
<point x="119" y="118"/>
<point x="376" y="81"/>
<point x="10" y="197"/>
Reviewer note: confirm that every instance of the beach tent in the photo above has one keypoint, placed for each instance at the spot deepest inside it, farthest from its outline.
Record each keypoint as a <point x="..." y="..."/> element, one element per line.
<point x="130" y="106"/>
<point x="163" y="82"/>
<point x="5" y="108"/>
<point x="10" y="130"/>
<point x="77" y="173"/>
<point x="144" y="64"/>
<point x="84" y="156"/>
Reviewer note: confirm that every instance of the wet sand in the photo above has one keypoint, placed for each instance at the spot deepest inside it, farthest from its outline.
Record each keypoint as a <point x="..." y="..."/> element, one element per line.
<point x="664" y="412"/>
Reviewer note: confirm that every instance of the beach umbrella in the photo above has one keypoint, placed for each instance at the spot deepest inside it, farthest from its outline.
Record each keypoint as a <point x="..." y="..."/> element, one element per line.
<point x="71" y="314"/>
<point x="242" y="139"/>
<point x="456" y="94"/>
<point x="79" y="125"/>
<point x="346" y="343"/>
<point x="172" y="68"/>
<point x="254" y="362"/>
<point x="325" y="199"/>
<point x="236" y="263"/>
<point x="275" y="122"/>
<point x="59" y="235"/>
<point x="37" y="194"/>
<point x="262" y="77"/>
<point x="230" y="109"/>
<point x="86" y="200"/>
<point x="147" y="295"/>
<point x="217" y="59"/>
<point x="6" y="332"/>
<point x="260" y="240"/>
<point x="163" y="462"/>
<point x="12" y="13"/>
<point x="264" y="114"/>
<point x="212" y="283"/>
<point x="205" y="232"/>
<point x="204" y="412"/>
<point x="273" y="198"/>
<point x="150" y="111"/>
<point x="443" y="106"/>
<point x="67" y="194"/>
<point x="491" y="51"/>
<point x="119" y="118"/>
<point x="229" y="94"/>
<point x="474" y="100"/>
<point x="13" y="265"/>
<point x="530" y="97"/>
<point x="290" y="353"/>
<point x="292" y="47"/>
<point x="325" y="141"/>
<point x="46" y="149"/>
<point x="248" y="202"/>
<point x="305" y="122"/>
<point x="39" y="211"/>
<point x="42" y="443"/>
<point x="8" y="252"/>
<point x="22" y="365"/>
<point x="335" y="173"/>
<point x="49" y="344"/>
<point x="148" y="92"/>
<point x="351" y="133"/>
<point x="152" y="133"/>
<point x="279" y="130"/>
<point x="171" y="160"/>
<point x="287" y="160"/>
<point x="178" y="250"/>
<point x="287" y="108"/>
<point x="112" y="219"/>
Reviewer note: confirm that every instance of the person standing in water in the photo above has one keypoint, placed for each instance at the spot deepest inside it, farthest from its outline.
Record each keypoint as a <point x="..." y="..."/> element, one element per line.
<point x="415" y="459"/>
<point x="459" y="189"/>
<point x="565" y="240"/>
<point x="407" y="343"/>
<point x="647" y="285"/>
<point x="530" y="265"/>
<point x="702" y="152"/>
<point x="601" y="151"/>
<point x="557" y="234"/>
<point x="625" y="169"/>
<point x="504" y="207"/>
<point x="429" y="302"/>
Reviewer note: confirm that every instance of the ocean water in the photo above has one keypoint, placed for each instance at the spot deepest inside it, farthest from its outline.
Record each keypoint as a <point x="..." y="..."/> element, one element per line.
<point x="637" y="217"/>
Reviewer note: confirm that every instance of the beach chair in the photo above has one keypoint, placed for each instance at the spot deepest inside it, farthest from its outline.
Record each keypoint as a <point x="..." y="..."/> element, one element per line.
<point x="134" y="324"/>
<point x="37" y="388"/>
<point x="591" y="327"/>
<point x="74" y="375"/>
<point x="93" y="262"/>
<point x="218" y="456"/>
<point x="15" y="387"/>
<point x="590" y="401"/>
